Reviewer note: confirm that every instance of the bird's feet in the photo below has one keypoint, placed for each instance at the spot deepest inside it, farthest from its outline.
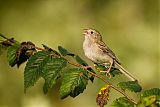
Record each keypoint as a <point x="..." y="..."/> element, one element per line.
<point x="107" y="73"/>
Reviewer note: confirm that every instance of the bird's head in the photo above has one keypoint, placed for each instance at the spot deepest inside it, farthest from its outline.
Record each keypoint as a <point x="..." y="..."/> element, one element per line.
<point x="92" y="34"/>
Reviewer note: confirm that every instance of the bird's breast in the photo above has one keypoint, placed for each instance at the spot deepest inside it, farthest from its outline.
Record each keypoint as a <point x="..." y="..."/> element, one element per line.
<point x="94" y="53"/>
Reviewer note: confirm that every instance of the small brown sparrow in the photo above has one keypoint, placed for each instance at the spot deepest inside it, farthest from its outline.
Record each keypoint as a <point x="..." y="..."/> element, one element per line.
<point x="98" y="52"/>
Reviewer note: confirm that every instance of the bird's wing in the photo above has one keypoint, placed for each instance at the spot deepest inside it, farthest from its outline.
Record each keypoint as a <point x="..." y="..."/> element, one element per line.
<point x="106" y="49"/>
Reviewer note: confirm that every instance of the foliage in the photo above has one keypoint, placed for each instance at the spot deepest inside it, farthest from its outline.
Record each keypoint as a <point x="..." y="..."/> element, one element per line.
<point x="122" y="102"/>
<point x="153" y="91"/>
<point x="130" y="85"/>
<point x="74" y="82"/>
<point x="51" y="65"/>
<point x="11" y="54"/>
<point x="150" y="98"/>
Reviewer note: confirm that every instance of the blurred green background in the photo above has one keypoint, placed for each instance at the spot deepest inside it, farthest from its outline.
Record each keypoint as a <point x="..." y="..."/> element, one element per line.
<point x="129" y="27"/>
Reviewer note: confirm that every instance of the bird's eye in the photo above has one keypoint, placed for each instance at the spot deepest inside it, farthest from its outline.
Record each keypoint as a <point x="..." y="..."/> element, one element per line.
<point x="92" y="32"/>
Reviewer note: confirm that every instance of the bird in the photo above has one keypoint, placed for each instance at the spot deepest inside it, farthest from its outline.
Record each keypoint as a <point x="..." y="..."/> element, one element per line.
<point x="98" y="52"/>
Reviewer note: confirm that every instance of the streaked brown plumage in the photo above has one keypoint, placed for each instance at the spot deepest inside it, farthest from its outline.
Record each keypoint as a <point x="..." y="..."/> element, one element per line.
<point x="97" y="51"/>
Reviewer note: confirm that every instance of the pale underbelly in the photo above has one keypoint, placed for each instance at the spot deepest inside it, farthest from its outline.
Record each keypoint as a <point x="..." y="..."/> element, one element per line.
<point x="94" y="53"/>
<point x="98" y="57"/>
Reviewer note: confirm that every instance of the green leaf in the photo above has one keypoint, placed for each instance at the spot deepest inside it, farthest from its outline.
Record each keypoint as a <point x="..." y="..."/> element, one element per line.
<point x="150" y="101"/>
<point x="150" y="98"/>
<point x="3" y="48"/>
<point x="150" y="92"/>
<point x="12" y="54"/>
<point x="130" y="85"/>
<point x="33" y="69"/>
<point x="82" y="62"/>
<point x="115" y="72"/>
<point x="74" y="82"/>
<point x="122" y="102"/>
<point x="52" y="71"/>
<point x="51" y="50"/>
<point x="64" y="52"/>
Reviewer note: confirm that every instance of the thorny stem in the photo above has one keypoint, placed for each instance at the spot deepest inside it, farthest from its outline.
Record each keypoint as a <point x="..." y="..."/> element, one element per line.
<point x="107" y="82"/>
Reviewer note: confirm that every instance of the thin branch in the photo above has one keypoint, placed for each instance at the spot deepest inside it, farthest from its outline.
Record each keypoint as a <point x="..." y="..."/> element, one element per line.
<point x="104" y="80"/>
<point x="3" y="36"/>
<point x="8" y="40"/>
<point x="123" y="93"/>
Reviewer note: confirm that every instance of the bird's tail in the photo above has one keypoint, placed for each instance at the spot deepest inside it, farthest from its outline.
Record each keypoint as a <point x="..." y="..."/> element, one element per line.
<point x="125" y="72"/>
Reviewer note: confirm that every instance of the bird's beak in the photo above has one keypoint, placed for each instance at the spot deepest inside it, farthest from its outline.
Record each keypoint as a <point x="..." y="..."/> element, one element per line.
<point x="85" y="31"/>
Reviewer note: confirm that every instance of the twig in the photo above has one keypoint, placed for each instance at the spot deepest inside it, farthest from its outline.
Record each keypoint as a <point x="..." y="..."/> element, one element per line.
<point x="107" y="82"/>
<point x="8" y="40"/>
<point x="3" y="36"/>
